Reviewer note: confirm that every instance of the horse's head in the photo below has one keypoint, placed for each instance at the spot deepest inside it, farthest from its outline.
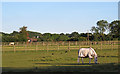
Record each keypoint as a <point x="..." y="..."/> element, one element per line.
<point x="95" y="55"/>
<point x="95" y="60"/>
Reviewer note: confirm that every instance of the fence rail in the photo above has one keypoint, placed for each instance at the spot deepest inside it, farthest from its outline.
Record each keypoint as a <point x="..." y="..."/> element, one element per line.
<point x="60" y="45"/>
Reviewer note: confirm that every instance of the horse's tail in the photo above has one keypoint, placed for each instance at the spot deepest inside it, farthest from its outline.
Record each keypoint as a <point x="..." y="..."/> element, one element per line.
<point x="78" y="51"/>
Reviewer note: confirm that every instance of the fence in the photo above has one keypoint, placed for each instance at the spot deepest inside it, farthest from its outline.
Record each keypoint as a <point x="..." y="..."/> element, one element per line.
<point x="60" y="45"/>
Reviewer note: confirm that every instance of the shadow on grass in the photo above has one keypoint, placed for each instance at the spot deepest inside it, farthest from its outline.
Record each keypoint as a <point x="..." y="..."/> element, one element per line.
<point x="107" y="56"/>
<point x="69" y="64"/>
<point x="65" y="67"/>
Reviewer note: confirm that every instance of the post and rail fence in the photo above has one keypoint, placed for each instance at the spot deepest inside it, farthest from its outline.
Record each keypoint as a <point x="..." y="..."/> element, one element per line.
<point x="59" y="45"/>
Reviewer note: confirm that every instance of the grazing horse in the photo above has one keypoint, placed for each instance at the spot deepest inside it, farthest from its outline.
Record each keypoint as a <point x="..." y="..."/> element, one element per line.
<point x="11" y="43"/>
<point x="87" y="52"/>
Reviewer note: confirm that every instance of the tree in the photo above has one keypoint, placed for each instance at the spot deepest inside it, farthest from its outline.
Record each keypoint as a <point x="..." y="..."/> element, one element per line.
<point x="94" y="29"/>
<point x="74" y="35"/>
<point x="98" y="31"/>
<point x="102" y="26"/>
<point x="23" y="33"/>
<point x="54" y="37"/>
<point x="46" y="37"/>
<point x="114" y="28"/>
<point x="63" y="38"/>
<point x="14" y="33"/>
<point x="33" y="34"/>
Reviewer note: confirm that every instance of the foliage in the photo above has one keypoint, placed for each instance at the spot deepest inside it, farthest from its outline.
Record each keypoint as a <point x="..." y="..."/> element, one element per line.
<point x="114" y="28"/>
<point x="98" y="34"/>
<point x="23" y="33"/>
<point x="102" y="27"/>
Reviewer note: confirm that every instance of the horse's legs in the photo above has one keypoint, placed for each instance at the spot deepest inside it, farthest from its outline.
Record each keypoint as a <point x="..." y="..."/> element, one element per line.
<point x="78" y="60"/>
<point x="82" y="60"/>
<point x="89" y="60"/>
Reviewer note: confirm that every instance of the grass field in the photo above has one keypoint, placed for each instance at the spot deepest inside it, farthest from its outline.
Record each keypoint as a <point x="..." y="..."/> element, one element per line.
<point x="58" y="61"/>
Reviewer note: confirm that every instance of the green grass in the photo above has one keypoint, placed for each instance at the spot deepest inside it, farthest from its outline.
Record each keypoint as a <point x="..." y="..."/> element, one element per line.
<point x="55" y="61"/>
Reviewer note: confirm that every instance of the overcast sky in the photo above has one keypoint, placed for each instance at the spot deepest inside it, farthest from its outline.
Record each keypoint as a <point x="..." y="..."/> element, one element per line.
<point x="56" y="17"/>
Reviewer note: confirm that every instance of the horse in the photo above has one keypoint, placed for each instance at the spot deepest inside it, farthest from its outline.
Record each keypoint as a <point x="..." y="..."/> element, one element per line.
<point x="87" y="52"/>
<point x="11" y="43"/>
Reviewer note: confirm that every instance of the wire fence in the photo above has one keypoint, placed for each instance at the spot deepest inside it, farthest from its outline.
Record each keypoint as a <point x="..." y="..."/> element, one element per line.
<point x="59" y="45"/>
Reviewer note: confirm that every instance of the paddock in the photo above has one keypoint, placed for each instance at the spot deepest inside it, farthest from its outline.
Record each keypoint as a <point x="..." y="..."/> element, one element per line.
<point x="58" y="57"/>
<point x="57" y="61"/>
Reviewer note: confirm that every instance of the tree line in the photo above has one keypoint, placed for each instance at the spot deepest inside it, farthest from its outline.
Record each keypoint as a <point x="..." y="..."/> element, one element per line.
<point x="97" y="34"/>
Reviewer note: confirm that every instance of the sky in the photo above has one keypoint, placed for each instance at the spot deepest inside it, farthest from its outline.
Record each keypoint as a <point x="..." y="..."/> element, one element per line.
<point x="56" y="17"/>
<point x="60" y="0"/>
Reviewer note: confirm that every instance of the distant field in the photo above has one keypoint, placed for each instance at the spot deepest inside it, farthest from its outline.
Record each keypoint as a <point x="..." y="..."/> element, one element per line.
<point x="58" y="61"/>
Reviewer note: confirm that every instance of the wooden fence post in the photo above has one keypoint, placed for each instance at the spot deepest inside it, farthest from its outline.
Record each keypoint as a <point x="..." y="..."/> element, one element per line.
<point x="69" y="46"/>
<point x="30" y="44"/>
<point x="90" y="43"/>
<point x="2" y="48"/>
<point x="101" y="45"/>
<point x="58" y="46"/>
<point x="36" y="46"/>
<point x="14" y="48"/>
<point x="43" y="43"/>
<point x="47" y="47"/>
<point x="76" y="43"/>
<point x="25" y="46"/>
<point x="112" y="44"/>
<point x="17" y="43"/>
<point x="79" y="44"/>
<point x="63" y="43"/>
